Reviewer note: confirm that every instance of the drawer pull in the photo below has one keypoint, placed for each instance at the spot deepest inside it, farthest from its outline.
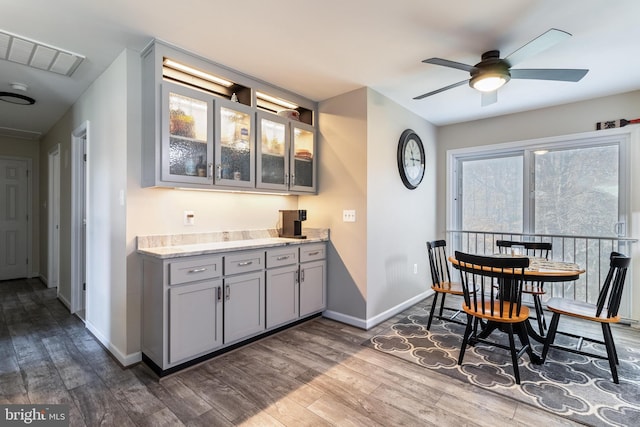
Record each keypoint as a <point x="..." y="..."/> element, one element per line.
<point x="281" y="258"/>
<point x="313" y="253"/>
<point x="197" y="270"/>
<point x="244" y="264"/>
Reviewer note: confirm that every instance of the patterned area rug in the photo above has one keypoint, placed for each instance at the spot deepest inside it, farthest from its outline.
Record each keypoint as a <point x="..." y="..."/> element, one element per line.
<point x="569" y="385"/>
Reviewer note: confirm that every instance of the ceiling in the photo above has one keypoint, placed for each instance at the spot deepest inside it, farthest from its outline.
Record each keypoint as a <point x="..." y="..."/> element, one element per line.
<point x="325" y="48"/>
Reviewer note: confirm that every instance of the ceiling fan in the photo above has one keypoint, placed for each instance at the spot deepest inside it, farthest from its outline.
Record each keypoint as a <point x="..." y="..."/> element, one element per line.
<point x="492" y="72"/>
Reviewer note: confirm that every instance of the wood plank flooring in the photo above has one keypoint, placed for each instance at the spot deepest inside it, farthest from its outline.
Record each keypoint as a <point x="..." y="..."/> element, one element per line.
<point x="316" y="374"/>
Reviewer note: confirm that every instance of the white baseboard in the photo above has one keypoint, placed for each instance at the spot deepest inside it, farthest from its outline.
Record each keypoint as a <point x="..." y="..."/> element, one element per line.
<point x="376" y="320"/>
<point x="124" y="359"/>
<point x="64" y="301"/>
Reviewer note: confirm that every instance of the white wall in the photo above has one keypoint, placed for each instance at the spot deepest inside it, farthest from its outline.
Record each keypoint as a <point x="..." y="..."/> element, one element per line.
<point x="569" y="119"/>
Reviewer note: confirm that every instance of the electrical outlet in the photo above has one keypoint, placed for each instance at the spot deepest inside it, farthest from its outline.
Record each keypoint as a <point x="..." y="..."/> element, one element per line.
<point x="349" y="215"/>
<point x="415" y="268"/>
<point x="189" y="218"/>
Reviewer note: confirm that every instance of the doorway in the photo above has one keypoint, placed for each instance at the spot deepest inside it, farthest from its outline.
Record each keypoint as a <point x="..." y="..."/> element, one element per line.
<point x="53" y="262"/>
<point x="79" y="145"/>
<point x="15" y="230"/>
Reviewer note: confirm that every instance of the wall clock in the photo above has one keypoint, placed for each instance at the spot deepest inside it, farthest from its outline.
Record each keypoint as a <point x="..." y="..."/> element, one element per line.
<point x="411" y="159"/>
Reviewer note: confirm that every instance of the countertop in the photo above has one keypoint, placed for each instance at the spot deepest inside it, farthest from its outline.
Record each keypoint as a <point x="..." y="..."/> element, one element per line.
<point x="183" y="245"/>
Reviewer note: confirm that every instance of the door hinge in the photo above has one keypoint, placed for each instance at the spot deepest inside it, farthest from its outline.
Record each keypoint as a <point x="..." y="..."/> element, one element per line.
<point x="84" y="286"/>
<point x="84" y="157"/>
<point x="27" y="261"/>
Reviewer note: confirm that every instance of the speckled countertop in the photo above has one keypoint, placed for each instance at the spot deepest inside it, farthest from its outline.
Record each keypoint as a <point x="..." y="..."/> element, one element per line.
<point x="183" y="245"/>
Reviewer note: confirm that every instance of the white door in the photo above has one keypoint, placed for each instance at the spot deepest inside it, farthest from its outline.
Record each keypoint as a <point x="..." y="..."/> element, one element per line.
<point x="13" y="218"/>
<point x="53" y="270"/>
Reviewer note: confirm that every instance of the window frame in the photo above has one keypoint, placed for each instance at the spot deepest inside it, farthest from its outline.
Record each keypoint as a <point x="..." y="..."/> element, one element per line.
<point x="526" y="148"/>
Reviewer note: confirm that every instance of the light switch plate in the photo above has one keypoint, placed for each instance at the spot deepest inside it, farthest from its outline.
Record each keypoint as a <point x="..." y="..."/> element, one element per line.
<point x="349" y="215"/>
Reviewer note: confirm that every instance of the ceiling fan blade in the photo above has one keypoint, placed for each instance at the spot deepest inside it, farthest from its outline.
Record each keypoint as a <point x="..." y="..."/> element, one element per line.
<point x="564" y="75"/>
<point x="537" y="45"/>
<point x="450" y="64"/>
<point x="488" y="98"/>
<point x="442" y="89"/>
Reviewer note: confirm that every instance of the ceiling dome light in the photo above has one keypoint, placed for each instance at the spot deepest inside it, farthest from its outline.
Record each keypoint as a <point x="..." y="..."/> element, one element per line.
<point x="488" y="82"/>
<point x="16" y="98"/>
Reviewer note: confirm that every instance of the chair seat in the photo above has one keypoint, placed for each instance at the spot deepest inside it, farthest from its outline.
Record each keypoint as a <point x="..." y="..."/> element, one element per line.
<point x="524" y="312"/>
<point x="454" y="288"/>
<point x="533" y="289"/>
<point x="579" y="309"/>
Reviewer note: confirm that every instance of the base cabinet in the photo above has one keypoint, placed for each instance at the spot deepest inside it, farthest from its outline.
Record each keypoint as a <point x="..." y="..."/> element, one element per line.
<point x="313" y="277"/>
<point x="282" y="295"/>
<point x="243" y="306"/>
<point x="195" y="320"/>
<point x="197" y="305"/>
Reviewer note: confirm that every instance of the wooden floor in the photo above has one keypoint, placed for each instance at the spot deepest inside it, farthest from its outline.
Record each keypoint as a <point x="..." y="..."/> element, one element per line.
<point x="312" y="375"/>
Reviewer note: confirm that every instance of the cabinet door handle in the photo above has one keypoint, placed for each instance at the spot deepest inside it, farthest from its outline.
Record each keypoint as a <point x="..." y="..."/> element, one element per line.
<point x="302" y="275"/>
<point x="210" y="170"/>
<point x="219" y="293"/>
<point x="227" y="292"/>
<point x="197" y="270"/>
<point x="297" y="277"/>
<point x="283" y="257"/>
<point x="286" y="179"/>
<point x="293" y="179"/>
<point x="314" y="253"/>
<point x="244" y="264"/>
<point x="218" y="172"/>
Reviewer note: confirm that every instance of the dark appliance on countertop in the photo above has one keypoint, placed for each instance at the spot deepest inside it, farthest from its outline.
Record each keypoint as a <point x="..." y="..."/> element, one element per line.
<point x="291" y="223"/>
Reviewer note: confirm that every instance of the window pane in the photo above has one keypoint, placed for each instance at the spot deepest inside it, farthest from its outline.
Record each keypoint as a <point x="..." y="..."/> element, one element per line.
<point x="492" y="194"/>
<point x="576" y="191"/>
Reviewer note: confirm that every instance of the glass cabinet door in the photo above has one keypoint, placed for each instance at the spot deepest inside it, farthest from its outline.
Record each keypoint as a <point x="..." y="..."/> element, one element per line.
<point x="235" y="149"/>
<point x="187" y="134"/>
<point x="303" y="151"/>
<point x="273" y="151"/>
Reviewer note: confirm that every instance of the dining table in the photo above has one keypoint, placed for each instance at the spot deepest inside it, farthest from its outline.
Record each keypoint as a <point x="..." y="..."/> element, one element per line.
<point x="539" y="270"/>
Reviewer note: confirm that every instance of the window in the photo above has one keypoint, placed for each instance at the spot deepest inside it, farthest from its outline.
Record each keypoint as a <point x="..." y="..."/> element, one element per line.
<point x="571" y="187"/>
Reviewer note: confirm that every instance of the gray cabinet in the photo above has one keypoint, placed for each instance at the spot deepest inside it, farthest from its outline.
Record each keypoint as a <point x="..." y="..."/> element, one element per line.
<point x="282" y="286"/>
<point x="313" y="279"/>
<point x="187" y="135"/>
<point x="244" y="295"/>
<point x="196" y="305"/>
<point x="286" y="154"/>
<point x="195" y="319"/>
<point x="197" y="133"/>
<point x="243" y="306"/>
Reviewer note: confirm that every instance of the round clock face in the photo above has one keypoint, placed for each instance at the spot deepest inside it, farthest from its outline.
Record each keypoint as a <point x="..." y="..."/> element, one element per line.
<point x="411" y="159"/>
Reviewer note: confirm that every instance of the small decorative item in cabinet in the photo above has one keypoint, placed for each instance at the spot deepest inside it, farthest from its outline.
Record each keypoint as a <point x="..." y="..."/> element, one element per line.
<point x="181" y="124"/>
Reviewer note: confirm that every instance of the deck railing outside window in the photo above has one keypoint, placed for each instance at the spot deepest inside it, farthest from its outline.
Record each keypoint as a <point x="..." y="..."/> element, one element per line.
<point x="589" y="252"/>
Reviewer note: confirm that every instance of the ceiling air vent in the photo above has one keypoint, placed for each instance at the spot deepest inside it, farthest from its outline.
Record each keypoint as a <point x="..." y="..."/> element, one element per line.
<point x="38" y="55"/>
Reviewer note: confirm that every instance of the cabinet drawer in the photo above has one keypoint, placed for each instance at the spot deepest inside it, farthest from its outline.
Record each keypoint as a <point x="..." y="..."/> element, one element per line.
<point x="243" y="262"/>
<point x="312" y="252"/>
<point x="280" y="257"/>
<point x="191" y="270"/>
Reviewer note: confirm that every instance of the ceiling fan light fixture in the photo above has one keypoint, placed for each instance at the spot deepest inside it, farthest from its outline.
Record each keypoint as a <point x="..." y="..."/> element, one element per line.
<point x="488" y="82"/>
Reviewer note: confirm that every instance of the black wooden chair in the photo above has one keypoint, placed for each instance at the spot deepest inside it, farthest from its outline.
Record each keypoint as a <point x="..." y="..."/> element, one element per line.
<point x="501" y="310"/>
<point x="441" y="281"/>
<point x="605" y="312"/>
<point x="535" y="289"/>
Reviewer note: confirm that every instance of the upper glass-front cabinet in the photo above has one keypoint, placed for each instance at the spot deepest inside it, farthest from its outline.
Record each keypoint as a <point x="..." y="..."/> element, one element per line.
<point x="286" y="154"/>
<point x="303" y="153"/>
<point x="235" y="152"/>
<point x="187" y="135"/>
